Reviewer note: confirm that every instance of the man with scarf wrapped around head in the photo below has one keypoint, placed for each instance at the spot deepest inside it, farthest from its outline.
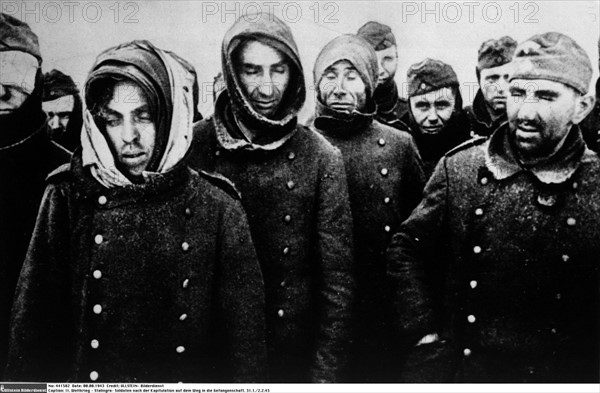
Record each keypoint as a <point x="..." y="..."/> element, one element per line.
<point x="294" y="191"/>
<point x="510" y="226"/>
<point x="139" y="268"/>
<point x="391" y="108"/>
<point x="436" y="119"/>
<point x="385" y="181"/>
<point x="27" y="155"/>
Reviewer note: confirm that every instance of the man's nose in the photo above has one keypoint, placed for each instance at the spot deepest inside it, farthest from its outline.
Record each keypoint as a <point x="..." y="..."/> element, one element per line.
<point x="2" y="90"/>
<point x="266" y="86"/>
<point x="527" y="110"/>
<point x="432" y="116"/>
<point x="130" y="132"/>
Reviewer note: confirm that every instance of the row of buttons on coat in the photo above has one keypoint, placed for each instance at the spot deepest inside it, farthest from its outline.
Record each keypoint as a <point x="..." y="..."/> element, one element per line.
<point x="97" y="274"/>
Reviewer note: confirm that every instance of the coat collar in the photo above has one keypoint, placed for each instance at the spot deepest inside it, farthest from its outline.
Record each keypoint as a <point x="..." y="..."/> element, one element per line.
<point x="481" y="114"/>
<point x="230" y="137"/>
<point x="501" y="160"/>
<point x="343" y="124"/>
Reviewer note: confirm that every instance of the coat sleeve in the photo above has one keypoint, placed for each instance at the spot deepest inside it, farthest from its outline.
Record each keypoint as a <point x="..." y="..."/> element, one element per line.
<point x="413" y="179"/>
<point x="40" y="344"/>
<point x="415" y="256"/>
<point x="336" y="264"/>
<point x="241" y="298"/>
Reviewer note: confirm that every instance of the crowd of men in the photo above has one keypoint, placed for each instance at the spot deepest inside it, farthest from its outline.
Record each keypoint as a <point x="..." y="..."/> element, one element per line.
<point x="386" y="240"/>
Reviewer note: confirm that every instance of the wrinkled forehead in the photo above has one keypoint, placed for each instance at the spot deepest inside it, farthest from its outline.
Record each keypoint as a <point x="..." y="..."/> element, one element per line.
<point x="62" y="104"/>
<point x="545" y="85"/>
<point x="443" y="94"/>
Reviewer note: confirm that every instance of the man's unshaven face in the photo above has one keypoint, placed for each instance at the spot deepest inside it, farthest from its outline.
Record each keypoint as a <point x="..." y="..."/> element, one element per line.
<point x="59" y="112"/>
<point x="264" y="74"/>
<point x="494" y="86"/>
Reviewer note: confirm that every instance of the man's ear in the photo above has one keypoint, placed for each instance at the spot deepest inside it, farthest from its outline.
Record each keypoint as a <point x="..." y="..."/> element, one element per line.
<point x="583" y="107"/>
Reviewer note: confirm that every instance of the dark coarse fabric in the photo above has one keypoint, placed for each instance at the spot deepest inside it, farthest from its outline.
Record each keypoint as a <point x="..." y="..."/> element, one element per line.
<point x="433" y="147"/>
<point x="296" y="199"/>
<point x="590" y="126"/>
<point x="479" y="118"/>
<point x="294" y="190"/>
<point x="163" y="275"/>
<point x="391" y="108"/>
<point x="385" y="182"/>
<point x="515" y="252"/>
<point x="27" y="156"/>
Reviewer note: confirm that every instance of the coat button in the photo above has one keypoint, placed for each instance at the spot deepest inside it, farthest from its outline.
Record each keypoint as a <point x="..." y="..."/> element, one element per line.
<point x="479" y="211"/>
<point x="484" y="181"/>
<point x="291" y="155"/>
<point x="387" y="228"/>
<point x="384" y="172"/>
<point x="558" y="296"/>
<point x="473" y="284"/>
<point x="98" y="239"/>
<point x="553" y="330"/>
<point x="280" y="313"/>
<point x="94" y="376"/>
<point x="185" y="283"/>
<point x="467" y="352"/>
<point x="381" y="142"/>
<point x="218" y="153"/>
<point x="97" y="309"/>
<point x="188" y="212"/>
<point x="287" y="218"/>
<point x="290" y="185"/>
<point x="185" y="246"/>
<point x="423" y="86"/>
<point x="183" y="317"/>
<point x="283" y="283"/>
<point x="286" y="251"/>
<point x="180" y="349"/>
<point x="565" y="258"/>
<point x="386" y="200"/>
<point x="575" y="185"/>
<point x="571" y="221"/>
<point x="102" y="200"/>
<point x="477" y="250"/>
<point x="94" y="344"/>
<point x="97" y="274"/>
<point x="471" y="318"/>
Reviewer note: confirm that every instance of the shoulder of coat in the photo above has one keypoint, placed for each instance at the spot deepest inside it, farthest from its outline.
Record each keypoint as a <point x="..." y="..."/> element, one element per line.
<point x="222" y="183"/>
<point x="476" y="141"/>
<point x="59" y="173"/>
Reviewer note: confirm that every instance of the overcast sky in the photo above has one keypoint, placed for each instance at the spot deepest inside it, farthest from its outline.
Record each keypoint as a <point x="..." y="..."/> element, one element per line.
<point x="72" y="33"/>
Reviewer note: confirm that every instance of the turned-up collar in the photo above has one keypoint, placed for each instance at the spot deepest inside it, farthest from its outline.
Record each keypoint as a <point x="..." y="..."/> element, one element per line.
<point x="343" y="124"/>
<point x="481" y="114"/>
<point x="230" y="137"/>
<point x="501" y="160"/>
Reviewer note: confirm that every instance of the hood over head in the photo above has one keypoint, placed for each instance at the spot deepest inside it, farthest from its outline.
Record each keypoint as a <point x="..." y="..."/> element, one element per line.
<point x="271" y="31"/>
<point x="171" y="87"/>
<point x="361" y="55"/>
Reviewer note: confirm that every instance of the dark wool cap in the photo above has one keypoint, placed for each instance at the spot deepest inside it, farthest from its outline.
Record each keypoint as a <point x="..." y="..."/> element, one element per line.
<point x="430" y="75"/>
<point x="57" y="84"/>
<point x="16" y="35"/>
<point x="556" y="57"/>
<point x="494" y="53"/>
<point x="378" y="35"/>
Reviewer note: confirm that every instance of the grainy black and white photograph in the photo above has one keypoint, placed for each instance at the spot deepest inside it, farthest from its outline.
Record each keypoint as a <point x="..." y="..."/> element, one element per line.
<point x="367" y="194"/>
